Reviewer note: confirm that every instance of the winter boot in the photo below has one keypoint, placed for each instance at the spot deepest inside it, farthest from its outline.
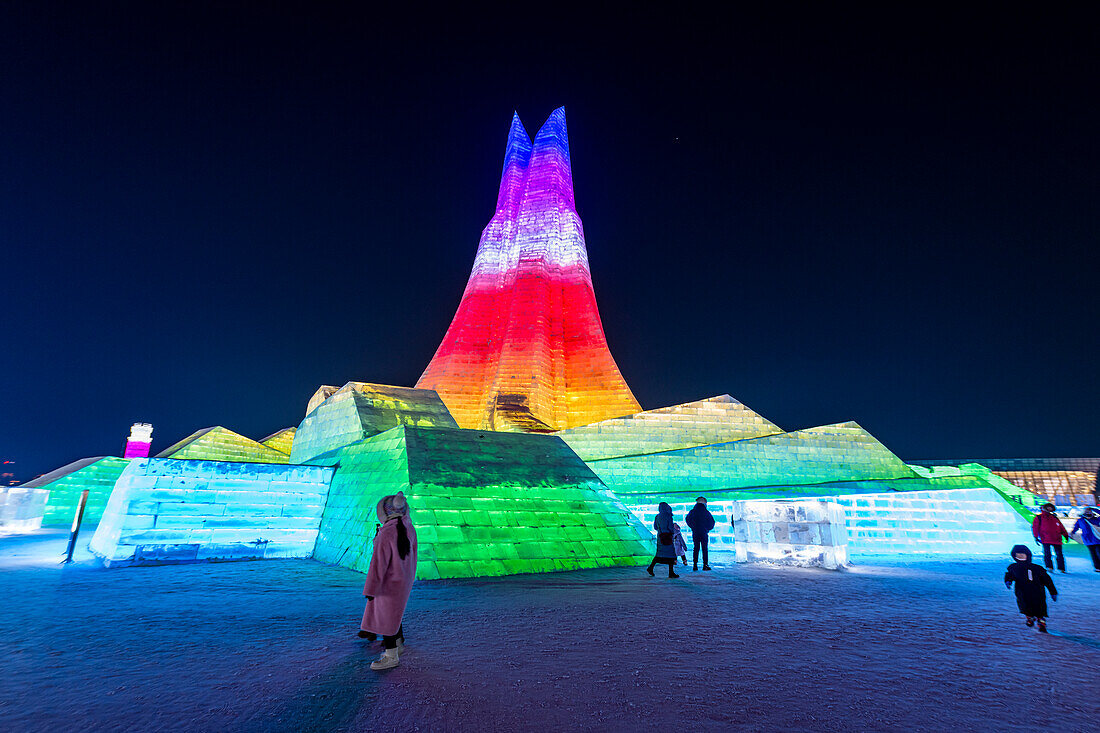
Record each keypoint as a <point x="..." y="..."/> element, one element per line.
<point x="706" y="567"/>
<point x="368" y="635"/>
<point x="388" y="660"/>
<point x="1030" y="621"/>
<point x="1043" y="625"/>
<point x="650" y="569"/>
<point x="672" y="574"/>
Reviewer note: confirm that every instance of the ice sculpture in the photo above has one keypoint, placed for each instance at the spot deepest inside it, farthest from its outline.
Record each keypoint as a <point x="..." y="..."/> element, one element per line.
<point x="21" y="509"/>
<point x="806" y="532"/>
<point x="526" y="353"/>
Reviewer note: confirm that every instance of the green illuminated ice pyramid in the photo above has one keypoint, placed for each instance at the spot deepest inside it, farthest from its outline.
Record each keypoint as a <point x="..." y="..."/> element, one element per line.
<point x="483" y="502"/>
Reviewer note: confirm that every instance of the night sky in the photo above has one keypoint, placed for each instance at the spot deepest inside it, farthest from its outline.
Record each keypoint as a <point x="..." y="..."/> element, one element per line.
<point x="206" y="213"/>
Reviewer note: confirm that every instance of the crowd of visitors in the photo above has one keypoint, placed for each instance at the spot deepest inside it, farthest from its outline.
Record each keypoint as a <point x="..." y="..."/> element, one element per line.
<point x="393" y="564"/>
<point x="670" y="543"/>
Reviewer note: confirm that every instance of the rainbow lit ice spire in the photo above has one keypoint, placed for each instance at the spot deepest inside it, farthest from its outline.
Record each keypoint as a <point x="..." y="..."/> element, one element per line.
<point x="526" y="349"/>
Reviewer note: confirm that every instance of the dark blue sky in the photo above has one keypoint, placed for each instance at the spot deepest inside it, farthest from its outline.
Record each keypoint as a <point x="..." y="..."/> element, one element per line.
<point x="205" y="213"/>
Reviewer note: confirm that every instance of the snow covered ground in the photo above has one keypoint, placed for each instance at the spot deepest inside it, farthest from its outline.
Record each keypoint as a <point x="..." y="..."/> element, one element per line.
<point x="270" y="646"/>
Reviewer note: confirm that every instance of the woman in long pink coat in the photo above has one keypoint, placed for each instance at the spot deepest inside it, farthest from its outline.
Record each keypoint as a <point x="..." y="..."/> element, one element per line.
<point x="390" y="578"/>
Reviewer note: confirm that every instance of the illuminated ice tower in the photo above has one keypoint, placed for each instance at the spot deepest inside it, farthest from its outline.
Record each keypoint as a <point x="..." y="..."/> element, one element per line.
<point x="141" y="437"/>
<point x="526" y="349"/>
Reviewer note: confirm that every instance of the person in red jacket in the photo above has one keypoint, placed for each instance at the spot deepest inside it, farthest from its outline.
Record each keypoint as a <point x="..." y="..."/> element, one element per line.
<point x="1049" y="531"/>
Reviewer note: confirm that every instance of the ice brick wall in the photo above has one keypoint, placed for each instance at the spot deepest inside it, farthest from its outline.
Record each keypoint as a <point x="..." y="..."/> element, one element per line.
<point x="21" y="509"/>
<point x="359" y="410"/>
<point x="281" y="440"/>
<point x="965" y="521"/>
<point x="703" y="422"/>
<point x="483" y="503"/>
<point x="369" y="470"/>
<point x="1065" y="481"/>
<point x="167" y="510"/>
<point x="222" y="444"/>
<point x="842" y="452"/>
<point x="67" y="483"/>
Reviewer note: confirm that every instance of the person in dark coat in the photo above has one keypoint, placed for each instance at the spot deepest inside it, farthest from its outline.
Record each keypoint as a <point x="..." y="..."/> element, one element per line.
<point x="666" y="549"/>
<point x="1088" y="524"/>
<point x="1032" y="583"/>
<point x="701" y="522"/>
<point x="1049" y="531"/>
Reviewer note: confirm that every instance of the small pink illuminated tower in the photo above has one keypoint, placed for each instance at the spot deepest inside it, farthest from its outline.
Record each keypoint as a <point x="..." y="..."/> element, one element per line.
<point x="141" y="438"/>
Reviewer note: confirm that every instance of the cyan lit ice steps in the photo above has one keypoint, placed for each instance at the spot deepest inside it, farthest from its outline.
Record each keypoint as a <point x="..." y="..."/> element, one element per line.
<point x="172" y="510"/>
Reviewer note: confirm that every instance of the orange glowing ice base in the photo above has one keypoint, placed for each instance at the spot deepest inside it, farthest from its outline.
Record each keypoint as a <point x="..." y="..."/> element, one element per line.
<point x="526" y="349"/>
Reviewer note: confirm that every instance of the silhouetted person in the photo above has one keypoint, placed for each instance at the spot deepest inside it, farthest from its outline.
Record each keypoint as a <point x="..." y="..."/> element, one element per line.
<point x="701" y="522"/>
<point x="1049" y="531"/>
<point x="666" y="548"/>
<point x="1089" y="526"/>
<point x="1032" y="583"/>
<point x="679" y="544"/>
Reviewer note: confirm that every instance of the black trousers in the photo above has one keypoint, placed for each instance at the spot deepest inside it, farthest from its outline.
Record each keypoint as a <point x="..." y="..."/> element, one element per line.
<point x="1057" y="552"/>
<point x="390" y="642"/>
<point x="700" y="542"/>
<point x="1094" y="550"/>
<point x="670" y="561"/>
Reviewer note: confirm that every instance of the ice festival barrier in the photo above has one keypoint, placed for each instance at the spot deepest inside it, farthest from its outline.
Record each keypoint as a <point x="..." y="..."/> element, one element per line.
<point x="21" y="509"/>
<point x="915" y="523"/>
<point x="165" y="510"/>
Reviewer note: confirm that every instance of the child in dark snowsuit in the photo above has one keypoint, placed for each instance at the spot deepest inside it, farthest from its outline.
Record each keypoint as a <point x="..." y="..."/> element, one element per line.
<point x="1032" y="582"/>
